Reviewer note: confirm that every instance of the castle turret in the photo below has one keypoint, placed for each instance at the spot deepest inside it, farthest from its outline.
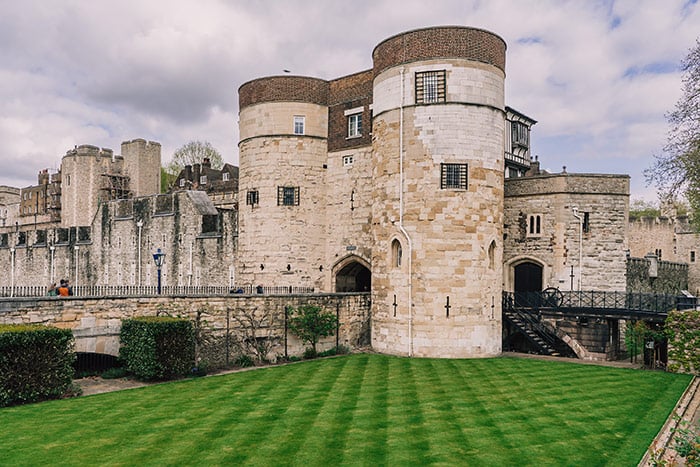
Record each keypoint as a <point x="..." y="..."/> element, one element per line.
<point x="437" y="217"/>
<point x="283" y="153"/>
<point x="142" y="166"/>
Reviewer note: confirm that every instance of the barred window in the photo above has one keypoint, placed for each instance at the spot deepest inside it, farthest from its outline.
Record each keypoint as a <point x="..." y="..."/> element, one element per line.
<point x="453" y="176"/>
<point x="252" y="198"/>
<point x="287" y="196"/>
<point x="431" y="87"/>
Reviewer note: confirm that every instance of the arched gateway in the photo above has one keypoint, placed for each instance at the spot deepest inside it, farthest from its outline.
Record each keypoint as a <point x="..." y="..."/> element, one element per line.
<point x="353" y="275"/>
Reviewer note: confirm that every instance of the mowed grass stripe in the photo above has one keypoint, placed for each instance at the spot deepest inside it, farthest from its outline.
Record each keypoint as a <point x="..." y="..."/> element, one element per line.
<point x="358" y="410"/>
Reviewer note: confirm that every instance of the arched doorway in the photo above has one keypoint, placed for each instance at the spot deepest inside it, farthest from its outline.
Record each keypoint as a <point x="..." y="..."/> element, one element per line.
<point x="353" y="277"/>
<point x="528" y="277"/>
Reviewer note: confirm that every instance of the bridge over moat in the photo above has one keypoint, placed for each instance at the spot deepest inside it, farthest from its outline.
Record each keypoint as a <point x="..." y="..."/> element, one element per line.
<point x="546" y="320"/>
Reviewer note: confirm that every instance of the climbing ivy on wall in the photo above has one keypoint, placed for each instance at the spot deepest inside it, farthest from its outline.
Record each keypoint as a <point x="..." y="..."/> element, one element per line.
<point x="683" y="331"/>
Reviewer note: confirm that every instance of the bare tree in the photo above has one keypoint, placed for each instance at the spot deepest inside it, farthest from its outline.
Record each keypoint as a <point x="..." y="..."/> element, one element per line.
<point x="191" y="153"/>
<point x="254" y="335"/>
<point x="677" y="170"/>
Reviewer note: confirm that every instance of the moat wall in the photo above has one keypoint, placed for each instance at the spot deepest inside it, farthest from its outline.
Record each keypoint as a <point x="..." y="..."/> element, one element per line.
<point x="96" y="322"/>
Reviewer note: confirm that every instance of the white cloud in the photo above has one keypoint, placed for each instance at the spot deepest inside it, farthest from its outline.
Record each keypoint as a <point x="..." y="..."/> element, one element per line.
<point x="598" y="76"/>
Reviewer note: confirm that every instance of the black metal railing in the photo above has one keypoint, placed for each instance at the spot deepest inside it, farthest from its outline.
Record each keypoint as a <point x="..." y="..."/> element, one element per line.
<point x="597" y="300"/>
<point x="152" y="290"/>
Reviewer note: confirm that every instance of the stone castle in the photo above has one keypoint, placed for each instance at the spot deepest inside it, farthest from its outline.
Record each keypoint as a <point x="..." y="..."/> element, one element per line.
<point x="412" y="181"/>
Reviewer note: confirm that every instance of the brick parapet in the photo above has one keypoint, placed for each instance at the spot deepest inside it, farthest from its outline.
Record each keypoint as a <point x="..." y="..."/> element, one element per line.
<point x="283" y="89"/>
<point x="440" y="42"/>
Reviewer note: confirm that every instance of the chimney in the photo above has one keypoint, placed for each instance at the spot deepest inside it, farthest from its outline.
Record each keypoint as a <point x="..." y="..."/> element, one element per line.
<point x="195" y="174"/>
<point x="188" y="173"/>
<point x="206" y="163"/>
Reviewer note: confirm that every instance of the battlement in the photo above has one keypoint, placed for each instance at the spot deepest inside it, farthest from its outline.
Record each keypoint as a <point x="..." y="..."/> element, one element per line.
<point x="139" y="142"/>
<point x="89" y="150"/>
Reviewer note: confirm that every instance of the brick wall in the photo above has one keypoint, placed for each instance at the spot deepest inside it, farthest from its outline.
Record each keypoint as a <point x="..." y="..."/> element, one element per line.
<point x="283" y="88"/>
<point x="440" y="42"/>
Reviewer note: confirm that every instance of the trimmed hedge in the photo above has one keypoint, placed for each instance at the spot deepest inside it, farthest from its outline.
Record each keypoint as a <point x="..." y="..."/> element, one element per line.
<point x="36" y="363"/>
<point x="157" y="347"/>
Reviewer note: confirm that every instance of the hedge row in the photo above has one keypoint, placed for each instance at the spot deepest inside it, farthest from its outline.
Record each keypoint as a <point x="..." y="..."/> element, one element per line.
<point x="36" y="363"/>
<point x="157" y="348"/>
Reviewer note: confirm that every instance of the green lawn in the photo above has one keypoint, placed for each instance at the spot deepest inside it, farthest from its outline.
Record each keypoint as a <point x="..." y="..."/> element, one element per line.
<point x="358" y="410"/>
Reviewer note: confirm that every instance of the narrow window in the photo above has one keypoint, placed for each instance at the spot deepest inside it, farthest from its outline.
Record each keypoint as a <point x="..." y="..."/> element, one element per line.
<point x="430" y="87"/>
<point x="182" y="182"/>
<point x="299" y="124"/>
<point x="692" y="256"/>
<point x="586" y="222"/>
<point x="287" y="196"/>
<point x="658" y="253"/>
<point x="453" y="176"/>
<point x="225" y="176"/>
<point x="203" y="180"/>
<point x="492" y="254"/>
<point x="354" y="125"/>
<point x="252" y="198"/>
<point x="396" y="253"/>
<point x="534" y="227"/>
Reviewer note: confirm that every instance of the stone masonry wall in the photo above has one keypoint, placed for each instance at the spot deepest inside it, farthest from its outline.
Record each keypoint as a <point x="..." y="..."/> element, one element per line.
<point x="96" y="322"/>
<point x="556" y="248"/>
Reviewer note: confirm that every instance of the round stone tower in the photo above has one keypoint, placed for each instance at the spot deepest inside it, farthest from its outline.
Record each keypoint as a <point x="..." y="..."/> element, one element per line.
<point x="437" y="214"/>
<point x="283" y="152"/>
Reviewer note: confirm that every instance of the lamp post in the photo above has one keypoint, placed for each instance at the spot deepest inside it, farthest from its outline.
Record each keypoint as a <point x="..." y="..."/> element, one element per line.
<point x="159" y="258"/>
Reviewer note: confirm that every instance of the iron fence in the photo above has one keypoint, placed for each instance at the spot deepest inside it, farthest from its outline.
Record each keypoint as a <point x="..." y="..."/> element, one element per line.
<point x="152" y="290"/>
<point x="598" y="300"/>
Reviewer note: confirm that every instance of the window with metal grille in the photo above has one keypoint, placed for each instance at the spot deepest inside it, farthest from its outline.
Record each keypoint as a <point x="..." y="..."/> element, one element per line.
<point x="287" y="196"/>
<point x="431" y="87"/>
<point x="453" y="176"/>
<point x="252" y="198"/>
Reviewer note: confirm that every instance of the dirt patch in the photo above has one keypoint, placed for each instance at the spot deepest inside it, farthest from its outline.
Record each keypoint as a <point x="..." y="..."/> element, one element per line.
<point x="97" y="385"/>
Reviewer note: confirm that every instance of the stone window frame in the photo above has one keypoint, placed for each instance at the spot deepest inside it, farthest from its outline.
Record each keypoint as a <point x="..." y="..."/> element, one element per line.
<point x="454" y="176"/>
<point x="182" y="183"/>
<point x="287" y="196"/>
<point x="586" y="222"/>
<point x="396" y="253"/>
<point x="348" y="160"/>
<point x="299" y="125"/>
<point x="225" y="176"/>
<point x="431" y="86"/>
<point x="202" y="179"/>
<point x="252" y="197"/>
<point x="535" y="225"/>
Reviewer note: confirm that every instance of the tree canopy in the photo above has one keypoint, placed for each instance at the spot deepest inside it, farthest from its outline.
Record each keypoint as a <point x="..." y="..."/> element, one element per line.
<point x="191" y="153"/>
<point x="676" y="172"/>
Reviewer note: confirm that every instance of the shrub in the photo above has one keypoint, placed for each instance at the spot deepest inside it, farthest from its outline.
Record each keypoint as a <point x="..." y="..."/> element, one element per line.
<point x="36" y="363"/>
<point x="683" y="331"/>
<point x="310" y="323"/>
<point x="310" y="353"/>
<point x="114" y="373"/>
<point x="157" y="348"/>
<point x="244" y="361"/>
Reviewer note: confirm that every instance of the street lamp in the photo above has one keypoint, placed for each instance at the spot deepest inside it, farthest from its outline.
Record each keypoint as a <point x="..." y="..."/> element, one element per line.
<point x="159" y="258"/>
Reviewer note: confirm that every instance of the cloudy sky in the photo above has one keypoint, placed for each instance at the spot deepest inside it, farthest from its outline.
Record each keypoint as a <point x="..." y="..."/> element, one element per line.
<point x="598" y="76"/>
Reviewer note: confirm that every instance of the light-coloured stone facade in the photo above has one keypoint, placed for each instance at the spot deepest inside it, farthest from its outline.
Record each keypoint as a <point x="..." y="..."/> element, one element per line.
<point x="670" y="239"/>
<point x="572" y="255"/>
